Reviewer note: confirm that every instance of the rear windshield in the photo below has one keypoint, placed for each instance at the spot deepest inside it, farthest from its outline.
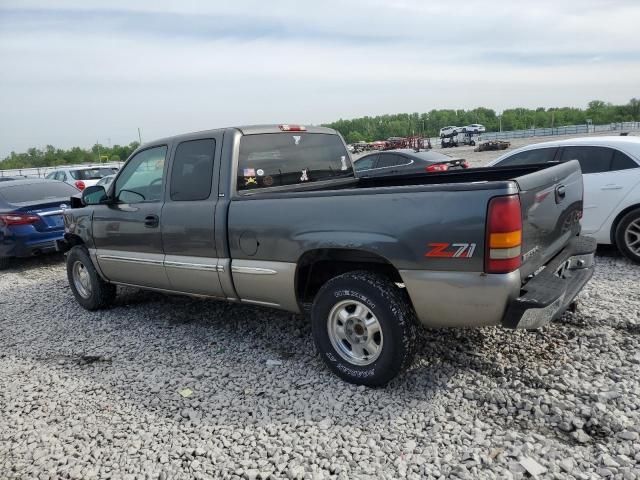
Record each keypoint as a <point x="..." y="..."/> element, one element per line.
<point x="92" y="173"/>
<point x="272" y="160"/>
<point x="35" y="192"/>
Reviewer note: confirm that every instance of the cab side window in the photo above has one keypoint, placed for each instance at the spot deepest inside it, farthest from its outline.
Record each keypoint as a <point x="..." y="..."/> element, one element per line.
<point x="142" y="177"/>
<point x="192" y="170"/>
<point x="365" y="163"/>
<point x="592" y="159"/>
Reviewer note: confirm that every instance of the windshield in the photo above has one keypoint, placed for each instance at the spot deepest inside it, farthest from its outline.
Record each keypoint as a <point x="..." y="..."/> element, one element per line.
<point x="92" y="173"/>
<point x="291" y="158"/>
<point x="35" y="192"/>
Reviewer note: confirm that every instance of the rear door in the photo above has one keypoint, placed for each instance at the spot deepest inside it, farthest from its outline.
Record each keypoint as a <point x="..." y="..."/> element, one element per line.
<point x="608" y="178"/>
<point x="551" y="202"/>
<point x="188" y="226"/>
<point x="127" y="232"/>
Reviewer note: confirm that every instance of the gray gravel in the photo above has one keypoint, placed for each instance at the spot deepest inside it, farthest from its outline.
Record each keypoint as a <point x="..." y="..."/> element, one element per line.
<point x="172" y="387"/>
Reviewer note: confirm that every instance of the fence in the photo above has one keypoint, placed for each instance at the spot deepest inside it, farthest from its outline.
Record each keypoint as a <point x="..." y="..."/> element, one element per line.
<point x="566" y="130"/>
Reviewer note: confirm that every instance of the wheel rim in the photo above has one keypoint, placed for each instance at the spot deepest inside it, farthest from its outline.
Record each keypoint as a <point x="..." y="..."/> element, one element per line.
<point x="355" y="332"/>
<point x="81" y="279"/>
<point x="632" y="237"/>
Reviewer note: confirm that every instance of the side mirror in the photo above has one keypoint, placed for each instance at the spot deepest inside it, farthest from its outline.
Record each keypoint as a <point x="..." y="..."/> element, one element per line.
<point x="94" y="195"/>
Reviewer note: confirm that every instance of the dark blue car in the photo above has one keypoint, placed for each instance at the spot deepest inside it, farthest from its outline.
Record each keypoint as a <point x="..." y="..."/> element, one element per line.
<point x="31" y="216"/>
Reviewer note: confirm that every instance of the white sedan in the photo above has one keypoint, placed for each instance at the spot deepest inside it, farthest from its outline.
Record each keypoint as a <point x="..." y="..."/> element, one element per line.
<point x="611" y="175"/>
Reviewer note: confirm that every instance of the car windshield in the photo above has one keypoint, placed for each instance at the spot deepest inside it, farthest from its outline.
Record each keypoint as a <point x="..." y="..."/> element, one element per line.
<point x="92" y="173"/>
<point x="35" y="192"/>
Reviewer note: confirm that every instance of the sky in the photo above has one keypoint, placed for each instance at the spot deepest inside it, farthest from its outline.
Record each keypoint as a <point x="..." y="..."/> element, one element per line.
<point x="77" y="72"/>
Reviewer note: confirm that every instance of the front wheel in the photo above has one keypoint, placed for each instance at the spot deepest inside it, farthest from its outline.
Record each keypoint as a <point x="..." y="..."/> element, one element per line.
<point x="628" y="235"/>
<point x="90" y="290"/>
<point x="364" y="328"/>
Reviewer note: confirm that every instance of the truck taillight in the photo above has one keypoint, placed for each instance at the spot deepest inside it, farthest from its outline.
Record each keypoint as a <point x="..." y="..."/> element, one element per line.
<point x="437" y="167"/>
<point x="79" y="184"/>
<point x="293" y="128"/>
<point x="504" y="235"/>
<point x="18" y="218"/>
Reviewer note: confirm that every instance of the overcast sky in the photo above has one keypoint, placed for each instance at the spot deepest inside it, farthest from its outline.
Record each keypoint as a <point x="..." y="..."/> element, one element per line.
<point x="74" y="72"/>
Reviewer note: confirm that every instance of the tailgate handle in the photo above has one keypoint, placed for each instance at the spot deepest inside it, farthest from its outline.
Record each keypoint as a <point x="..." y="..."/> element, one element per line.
<point x="561" y="192"/>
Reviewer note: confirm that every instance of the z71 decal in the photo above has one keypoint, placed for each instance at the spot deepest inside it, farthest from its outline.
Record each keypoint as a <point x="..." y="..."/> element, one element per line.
<point x="451" y="250"/>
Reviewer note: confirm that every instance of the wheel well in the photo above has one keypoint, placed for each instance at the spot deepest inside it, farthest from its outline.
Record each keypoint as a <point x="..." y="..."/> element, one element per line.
<point x="73" y="239"/>
<point x="316" y="267"/>
<point x="619" y="217"/>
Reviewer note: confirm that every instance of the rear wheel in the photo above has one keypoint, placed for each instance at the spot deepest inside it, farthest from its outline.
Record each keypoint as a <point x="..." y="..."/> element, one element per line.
<point x="364" y="328"/>
<point x="628" y="235"/>
<point x="90" y="290"/>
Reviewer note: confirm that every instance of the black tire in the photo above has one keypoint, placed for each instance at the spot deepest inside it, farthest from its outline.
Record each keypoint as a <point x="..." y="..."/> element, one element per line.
<point x="388" y="305"/>
<point x="100" y="294"/>
<point x="5" y="262"/>
<point x="628" y="227"/>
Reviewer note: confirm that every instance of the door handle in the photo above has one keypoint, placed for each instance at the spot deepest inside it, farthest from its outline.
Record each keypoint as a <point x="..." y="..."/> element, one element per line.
<point x="611" y="186"/>
<point x="561" y="192"/>
<point x="151" y="221"/>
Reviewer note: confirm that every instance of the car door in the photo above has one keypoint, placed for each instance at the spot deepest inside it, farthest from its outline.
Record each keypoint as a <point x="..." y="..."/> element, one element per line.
<point x="392" y="163"/>
<point x="188" y="227"/>
<point x="605" y="182"/>
<point x="126" y="231"/>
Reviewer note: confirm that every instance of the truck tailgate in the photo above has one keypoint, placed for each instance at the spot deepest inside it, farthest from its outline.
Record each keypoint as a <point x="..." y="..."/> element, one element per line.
<point x="551" y="202"/>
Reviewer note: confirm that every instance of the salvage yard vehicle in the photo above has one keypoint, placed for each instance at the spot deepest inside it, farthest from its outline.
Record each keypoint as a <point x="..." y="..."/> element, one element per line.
<point x="274" y="216"/>
<point x="81" y="177"/>
<point x="31" y="217"/>
<point x="611" y="172"/>
<point x="449" y="131"/>
<point x="404" y="162"/>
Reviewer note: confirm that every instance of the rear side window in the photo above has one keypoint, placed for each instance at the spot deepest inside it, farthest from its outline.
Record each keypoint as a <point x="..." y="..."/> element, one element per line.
<point x="91" y="173"/>
<point x="391" y="160"/>
<point x="592" y="159"/>
<point x="35" y="192"/>
<point x="278" y="159"/>
<point x="529" y="157"/>
<point x="365" y="163"/>
<point x="192" y="171"/>
<point x="622" y="162"/>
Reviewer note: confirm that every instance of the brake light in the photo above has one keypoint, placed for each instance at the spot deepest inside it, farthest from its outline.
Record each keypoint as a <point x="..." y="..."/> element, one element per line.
<point x="465" y="164"/>
<point x="437" y="167"/>
<point x="80" y="185"/>
<point x="18" y="218"/>
<point x="293" y="128"/>
<point x="504" y="235"/>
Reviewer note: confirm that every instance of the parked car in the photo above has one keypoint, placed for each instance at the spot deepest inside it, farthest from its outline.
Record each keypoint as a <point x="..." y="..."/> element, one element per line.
<point x="281" y="221"/>
<point x="106" y="181"/>
<point x="474" y="128"/>
<point x="31" y="217"/>
<point x="611" y="171"/>
<point x="81" y="177"/>
<point x="405" y="162"/>
<point x="451" y="130"/>
<point x="9" y="179"/>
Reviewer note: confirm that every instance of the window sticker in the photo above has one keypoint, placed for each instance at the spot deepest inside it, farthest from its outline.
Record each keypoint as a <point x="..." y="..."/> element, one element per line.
<point x="250" y="181"/>
<point x="296" y="139"/>
<point x="343" y="160"/>
<point x="260" y="172"/>
<point x="249" y="172"/>
<point x="305" y="175"/>
<point x="267" y="181"/>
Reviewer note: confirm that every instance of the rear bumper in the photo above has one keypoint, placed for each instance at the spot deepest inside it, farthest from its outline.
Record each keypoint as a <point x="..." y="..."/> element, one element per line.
<point x="474" y="299"/>
<point x="21" y="244"/>
<point x="547" y="295"/>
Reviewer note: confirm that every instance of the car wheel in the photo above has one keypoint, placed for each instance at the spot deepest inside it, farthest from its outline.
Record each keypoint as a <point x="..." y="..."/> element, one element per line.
<point x="5" y="262"/>
<point x="364" y="328"/>
<point x="628" y="235"/>
<point x="90" y="290"/>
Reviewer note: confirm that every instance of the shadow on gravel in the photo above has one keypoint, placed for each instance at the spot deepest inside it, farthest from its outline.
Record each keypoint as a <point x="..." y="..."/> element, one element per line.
<point x="22" y="265"/>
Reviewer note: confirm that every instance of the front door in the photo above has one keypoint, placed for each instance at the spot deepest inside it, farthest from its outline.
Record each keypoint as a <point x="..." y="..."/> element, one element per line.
<point x="127" y="232"/>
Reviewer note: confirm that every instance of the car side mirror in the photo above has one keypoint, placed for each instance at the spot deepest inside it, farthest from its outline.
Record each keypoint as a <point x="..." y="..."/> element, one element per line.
<point x="94" y="195"/>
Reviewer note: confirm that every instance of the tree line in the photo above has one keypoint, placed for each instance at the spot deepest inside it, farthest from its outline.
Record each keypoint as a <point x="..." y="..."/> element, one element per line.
<point x="429" y="123"/>
<point x="51" y="156"/>
<point x="374" y="128"/>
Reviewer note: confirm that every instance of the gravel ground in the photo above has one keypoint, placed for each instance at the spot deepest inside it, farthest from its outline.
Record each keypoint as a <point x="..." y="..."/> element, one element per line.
<point x="172" y="387"/>
<point x="104" y="395"/>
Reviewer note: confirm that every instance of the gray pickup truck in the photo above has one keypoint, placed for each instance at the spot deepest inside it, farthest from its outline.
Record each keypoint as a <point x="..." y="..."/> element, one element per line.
<point x="274" y="216"/>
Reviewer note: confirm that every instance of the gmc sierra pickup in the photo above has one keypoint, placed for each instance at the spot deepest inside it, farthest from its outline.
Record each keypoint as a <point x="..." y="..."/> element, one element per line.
<point x="274" y="216"/>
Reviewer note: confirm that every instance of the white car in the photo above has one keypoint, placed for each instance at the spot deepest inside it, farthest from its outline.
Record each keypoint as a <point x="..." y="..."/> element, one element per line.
<point x="451" y="130"/>
<point x="611" y="176"/>
<point x="474" y="128"/>
<point x="81" y="177"/>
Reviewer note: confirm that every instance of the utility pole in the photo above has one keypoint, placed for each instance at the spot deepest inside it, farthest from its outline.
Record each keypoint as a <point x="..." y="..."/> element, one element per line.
<point x="99" y="156"/>
<point x="139" y="136"/>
